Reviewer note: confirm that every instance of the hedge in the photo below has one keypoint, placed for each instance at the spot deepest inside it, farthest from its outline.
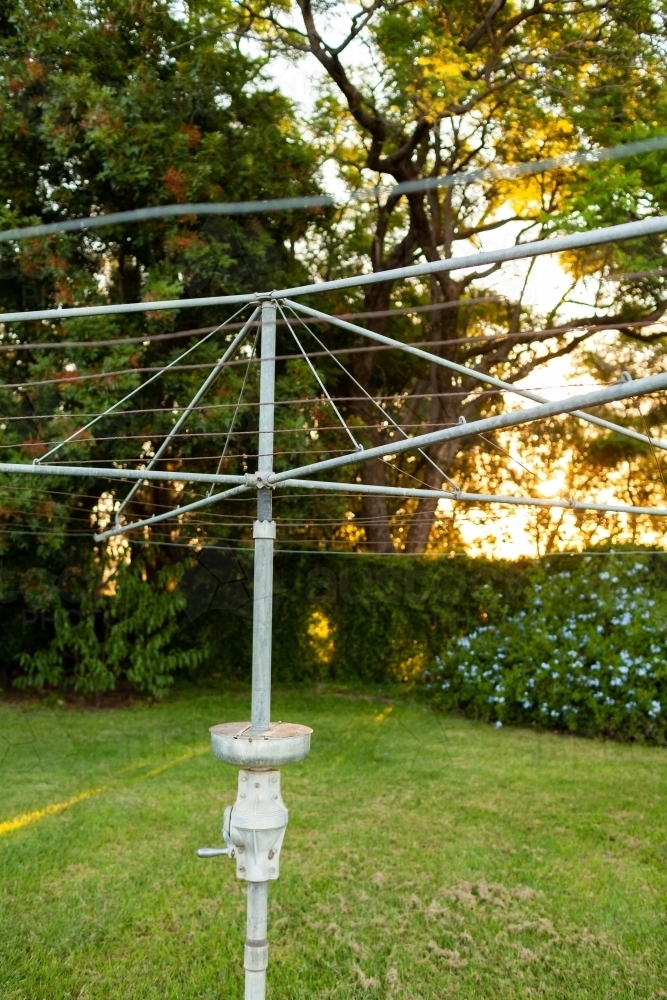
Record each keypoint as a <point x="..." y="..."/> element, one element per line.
<point x="574" y="642"/>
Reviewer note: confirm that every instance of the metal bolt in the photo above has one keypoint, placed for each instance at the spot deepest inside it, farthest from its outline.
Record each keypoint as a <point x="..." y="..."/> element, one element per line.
<point x="274" y="778"/>
<point x="244" y="777"/>
<point x="241" y="869"/>
<point x="240" y="850"/>
<point x="275" y="795"/>
<point x="271" y="853"/>
<point x="242" y="795"/>
<point x="272" y="870"/>
<point x="257" y="784"/>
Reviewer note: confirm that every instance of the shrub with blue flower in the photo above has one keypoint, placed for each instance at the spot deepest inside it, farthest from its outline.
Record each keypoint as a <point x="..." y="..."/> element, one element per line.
<point x="587" y="653"/>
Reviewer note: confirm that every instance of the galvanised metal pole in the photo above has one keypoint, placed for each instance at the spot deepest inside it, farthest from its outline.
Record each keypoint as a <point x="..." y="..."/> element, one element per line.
<point x="610" y="234"/>
<point x="254" y="827"/>
<point x="107" y="472"/>
<point x="264" y="532"/>
<point x="399" y="491"/>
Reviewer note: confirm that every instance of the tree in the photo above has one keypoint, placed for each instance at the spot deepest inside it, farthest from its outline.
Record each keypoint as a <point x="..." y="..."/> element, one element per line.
<point x="110" y="105"/>
<point x="441" y="89"/>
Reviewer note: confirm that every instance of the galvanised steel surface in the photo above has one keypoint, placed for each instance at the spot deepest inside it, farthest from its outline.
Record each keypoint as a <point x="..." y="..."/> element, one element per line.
<point x="256" y="823"/>
<point x="263" y="588"/>
<point x="624" y="390"/>
<point x="196" y="505"/>
<point x="400" y="491"/>
<point x="240" y="744"/>
<point x="469" y="372"/>
<point x="109" y="472"/>
<point x="316" y="201"/>
<point x="610" y="234"/>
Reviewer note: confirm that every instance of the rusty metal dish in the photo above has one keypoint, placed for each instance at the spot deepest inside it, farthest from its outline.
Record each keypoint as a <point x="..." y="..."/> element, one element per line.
<point x="236" y="743"/>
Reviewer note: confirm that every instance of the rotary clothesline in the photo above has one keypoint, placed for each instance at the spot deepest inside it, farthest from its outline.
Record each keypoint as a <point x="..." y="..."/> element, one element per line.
<point x="298" y="310"/>
<point x="254" y="827"/>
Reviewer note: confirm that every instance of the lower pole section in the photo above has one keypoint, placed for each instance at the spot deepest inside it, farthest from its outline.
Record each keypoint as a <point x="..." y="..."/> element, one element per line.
<point x="256" y="958"/>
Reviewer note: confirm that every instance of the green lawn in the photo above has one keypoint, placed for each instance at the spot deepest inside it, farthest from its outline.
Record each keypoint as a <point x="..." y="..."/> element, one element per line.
<point x="426" y="857"/>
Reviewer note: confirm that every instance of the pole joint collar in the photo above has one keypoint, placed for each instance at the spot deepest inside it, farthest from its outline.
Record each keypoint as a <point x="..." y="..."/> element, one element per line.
<point x="256" y="957"/>
<point x="260" y="480"/>
<point x="264" y="529"/>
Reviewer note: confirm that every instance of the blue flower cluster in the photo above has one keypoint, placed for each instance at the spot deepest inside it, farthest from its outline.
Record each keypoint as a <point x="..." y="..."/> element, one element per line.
<point x="587" y="653"/>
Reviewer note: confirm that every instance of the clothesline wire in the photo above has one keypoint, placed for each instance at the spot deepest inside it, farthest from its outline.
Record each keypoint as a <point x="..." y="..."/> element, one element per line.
<point x="149" y="338"/>
<point x="283" y="523"/>
<point x="401" y="397"/>
<point x="198" y="458"/>
<point x="137" y="389"/>
<point x="355" y="443"/>
<point x="236" y="411"/>
<point x="653" y="451"/>
<point x="198" y="543"/>
<point x="208" y="382"/>
<point x="205" y="434"/>
<point x="370" y="398"/>
<point x="513" y="458"/>
<point x="198" y="547"/>
<point x="70" y="379"/>
<point x="546" y="333"/>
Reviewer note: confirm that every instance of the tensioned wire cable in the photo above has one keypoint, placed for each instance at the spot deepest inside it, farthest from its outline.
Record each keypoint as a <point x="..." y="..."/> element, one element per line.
<point x="490" y="173"/>
<point x="232" y="348"/>
<point x="139" y="388"/>
<point x="236" y="411"/>
<point x="194" y="435"/>
<point x="228" y="521"/>
<point x="513" y="458"/>
<point x="355" y="443"/>
<point x="395" y="397"/>
<point x="370" y="398"/>
<point x="196" y="547"/>
<point x="400" y="396"/>
<point x="147" y="339"/>
<point x="546" y="333"/>
<point x="198" y="543"/>
<point x="239" y="520"/>
<point x="151" y="435"/>
<point x="520" y="336"/>
<point x="200" y="458"/>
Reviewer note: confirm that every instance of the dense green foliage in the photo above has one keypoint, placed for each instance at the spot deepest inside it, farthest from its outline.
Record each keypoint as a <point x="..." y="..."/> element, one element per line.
<point x="587" y="652"/>
<point x="107" y="106"/>
<point x="575" y="642"/>
<point x="105" y="639"/>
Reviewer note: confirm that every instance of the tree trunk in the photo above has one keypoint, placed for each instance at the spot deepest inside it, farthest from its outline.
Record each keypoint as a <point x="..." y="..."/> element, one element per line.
<point x="378" y="536"/>
<point x="444" y="408"/>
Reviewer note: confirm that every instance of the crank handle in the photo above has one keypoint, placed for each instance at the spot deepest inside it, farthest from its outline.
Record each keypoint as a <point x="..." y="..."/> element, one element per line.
<point x="214" y="852"/>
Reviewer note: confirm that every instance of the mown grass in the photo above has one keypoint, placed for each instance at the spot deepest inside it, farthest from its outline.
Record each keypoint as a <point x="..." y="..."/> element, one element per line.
<point x="426" y="857"/>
